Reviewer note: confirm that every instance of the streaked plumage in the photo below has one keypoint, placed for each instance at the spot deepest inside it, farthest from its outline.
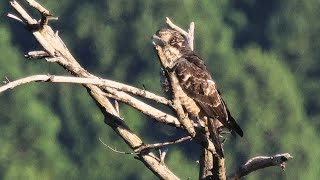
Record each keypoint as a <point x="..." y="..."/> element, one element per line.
<point x="198" y="92"/>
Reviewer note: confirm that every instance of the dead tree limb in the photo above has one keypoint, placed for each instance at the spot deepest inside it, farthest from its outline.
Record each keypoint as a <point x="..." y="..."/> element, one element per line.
<point x="158" y="145"/>
<point x="123" y="97"/>
<point x="260" y="162"/>
<point x="56" y="49"/>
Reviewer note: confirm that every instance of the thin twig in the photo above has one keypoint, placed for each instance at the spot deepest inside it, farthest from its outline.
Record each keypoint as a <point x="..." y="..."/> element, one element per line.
<point x="116" y="151"/>
<point x="15" y="18"/>
<point x="30" y="22"/>
<point x="191" y="36"/>
<point x="37" y="6"/>
<point x="36" y="55"/>
<point x="7" y="80"/>
<point x="163" y="154"/>
<point x="260" y="162"/>
<point x="116" y="106"/>
<point x="158" y="145"/>
<point x="177" y="28"/>
<point x="46" y="16"/>
<point x="22" y="12"/>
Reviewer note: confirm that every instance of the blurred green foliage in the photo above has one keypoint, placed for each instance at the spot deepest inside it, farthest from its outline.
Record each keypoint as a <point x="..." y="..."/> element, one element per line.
<point x="263" y="55"/>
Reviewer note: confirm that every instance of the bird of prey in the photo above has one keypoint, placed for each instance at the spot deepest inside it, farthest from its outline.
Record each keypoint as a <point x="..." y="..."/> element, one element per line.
<point x="197" y="91"/>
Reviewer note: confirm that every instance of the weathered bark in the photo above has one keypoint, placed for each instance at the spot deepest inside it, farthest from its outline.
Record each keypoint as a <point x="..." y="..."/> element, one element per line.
<point x="206" y="164"/>
<point x="260" y="162"/>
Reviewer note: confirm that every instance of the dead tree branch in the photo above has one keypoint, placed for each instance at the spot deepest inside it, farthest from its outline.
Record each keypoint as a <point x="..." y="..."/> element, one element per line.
<point x="123" y="97"/>
<point x="116" y="151"/>
<point x="149" y="146"/>
<point x="94" y="81"/>
<point x="158" y="145"/>
<point x="189" y="35"/>
<point x="260" y="162"/>
<point x="54" y="46"/>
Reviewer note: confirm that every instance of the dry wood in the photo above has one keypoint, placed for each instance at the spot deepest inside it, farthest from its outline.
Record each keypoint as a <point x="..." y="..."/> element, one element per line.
<point x="260" y="162"/>
<point x="158" y="145"/>
<point x="123" y="97"/>
<point x="55" y="47"/>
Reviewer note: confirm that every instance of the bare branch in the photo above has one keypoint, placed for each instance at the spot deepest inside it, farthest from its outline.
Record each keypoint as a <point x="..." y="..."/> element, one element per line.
<point x="177" y="28"/>
<point x="211" y="166"/>
<point x="22" y="12"/>
<point x="15" y="18"/>
<point x="6" y="81"/>
<point x="13" y="84"/>
<point x="143" y="107"/>
<point x="163" y="154"/>
<point x="191" y="36"/>
<point x="116" y="106"/>
<point x="55" y="47"/>
<point x="95" y="81"/>
<point x="157" y="145"/>
<point x="260" y="162"/>
<point x="37" y="6"/>
<point x="46" y="16"/>
<point x="116" y="151"/>
<point x="59" y="59"/>
<point x="136" y="91"/>
<point x="36" y="55"/>
<point x="121" y="96"/>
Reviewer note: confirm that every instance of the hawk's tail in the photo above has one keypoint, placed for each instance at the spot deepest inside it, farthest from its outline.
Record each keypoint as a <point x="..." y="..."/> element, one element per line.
<point x="231" y="123"/>
<point x="233" y="126"/>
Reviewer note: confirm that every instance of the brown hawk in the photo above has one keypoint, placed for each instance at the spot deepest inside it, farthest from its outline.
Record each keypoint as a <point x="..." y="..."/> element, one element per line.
<point x="197" y="91"/>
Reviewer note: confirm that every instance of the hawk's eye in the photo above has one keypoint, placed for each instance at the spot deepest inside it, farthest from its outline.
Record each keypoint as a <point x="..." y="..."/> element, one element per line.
<point x="173" y="41"/>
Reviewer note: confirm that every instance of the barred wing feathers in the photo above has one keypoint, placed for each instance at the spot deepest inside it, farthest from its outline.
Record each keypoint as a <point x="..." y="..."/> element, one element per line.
<point x="197" y="83"/>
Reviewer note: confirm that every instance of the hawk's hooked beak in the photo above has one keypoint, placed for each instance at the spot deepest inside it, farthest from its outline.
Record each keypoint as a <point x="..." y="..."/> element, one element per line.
<point x="156" y="40"/>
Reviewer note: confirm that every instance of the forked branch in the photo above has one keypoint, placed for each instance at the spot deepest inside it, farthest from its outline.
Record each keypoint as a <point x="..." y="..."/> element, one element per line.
<point x="58" y="52"/>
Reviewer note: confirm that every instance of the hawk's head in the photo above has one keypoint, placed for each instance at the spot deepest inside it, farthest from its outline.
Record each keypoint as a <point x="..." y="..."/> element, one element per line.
<point x="173" y="43"/>
<point x="170" y="37"/>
